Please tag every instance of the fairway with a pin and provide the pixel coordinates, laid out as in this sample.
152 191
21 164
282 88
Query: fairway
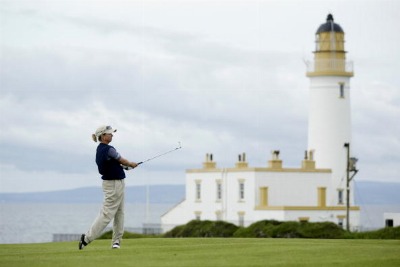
187 252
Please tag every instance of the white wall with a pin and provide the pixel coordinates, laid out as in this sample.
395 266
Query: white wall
293 188
284 189
393 216
329 127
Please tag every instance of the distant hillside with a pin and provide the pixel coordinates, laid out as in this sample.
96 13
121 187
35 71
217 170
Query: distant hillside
135 194
366 193
376 193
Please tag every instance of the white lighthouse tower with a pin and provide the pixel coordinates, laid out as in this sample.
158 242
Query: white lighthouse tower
329 126
315 192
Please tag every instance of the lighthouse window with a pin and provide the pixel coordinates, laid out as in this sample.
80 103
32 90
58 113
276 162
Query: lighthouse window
241 219
219 215
341 90
219 190
241 190
389 223
340 222
317 43
197 215
340 196
198 190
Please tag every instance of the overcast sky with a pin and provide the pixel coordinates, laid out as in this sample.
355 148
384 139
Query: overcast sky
221 77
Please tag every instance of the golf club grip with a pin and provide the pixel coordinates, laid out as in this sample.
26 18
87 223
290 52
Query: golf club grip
140 163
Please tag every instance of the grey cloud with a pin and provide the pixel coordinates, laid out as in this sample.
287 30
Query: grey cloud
163 85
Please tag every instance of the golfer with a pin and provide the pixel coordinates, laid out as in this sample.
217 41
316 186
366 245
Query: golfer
109 164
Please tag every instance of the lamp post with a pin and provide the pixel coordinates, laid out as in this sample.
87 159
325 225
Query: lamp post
351 167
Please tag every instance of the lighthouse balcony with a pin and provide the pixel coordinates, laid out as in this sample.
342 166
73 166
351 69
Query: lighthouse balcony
329 67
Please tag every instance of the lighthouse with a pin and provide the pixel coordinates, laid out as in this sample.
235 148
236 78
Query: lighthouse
317 191
329 126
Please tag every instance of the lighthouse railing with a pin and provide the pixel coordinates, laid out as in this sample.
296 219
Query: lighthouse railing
329 65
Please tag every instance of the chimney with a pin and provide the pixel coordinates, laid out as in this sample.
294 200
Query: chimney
209 163
241 161
275 162
308 163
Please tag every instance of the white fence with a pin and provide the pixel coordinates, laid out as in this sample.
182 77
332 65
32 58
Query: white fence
147 229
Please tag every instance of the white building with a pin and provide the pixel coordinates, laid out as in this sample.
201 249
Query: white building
391 219
314 192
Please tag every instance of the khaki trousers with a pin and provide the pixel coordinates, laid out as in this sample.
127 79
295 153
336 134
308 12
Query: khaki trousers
113 208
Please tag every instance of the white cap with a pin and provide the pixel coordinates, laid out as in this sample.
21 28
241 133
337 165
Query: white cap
103 130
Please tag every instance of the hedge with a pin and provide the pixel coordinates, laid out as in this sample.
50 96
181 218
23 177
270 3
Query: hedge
268 229
277 229
197 228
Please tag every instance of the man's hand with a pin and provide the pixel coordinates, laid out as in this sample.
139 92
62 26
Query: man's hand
126 164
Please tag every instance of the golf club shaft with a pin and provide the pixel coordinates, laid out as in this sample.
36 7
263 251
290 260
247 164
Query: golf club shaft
157 156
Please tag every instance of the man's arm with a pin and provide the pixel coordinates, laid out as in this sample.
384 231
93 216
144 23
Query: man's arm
126 162
112 153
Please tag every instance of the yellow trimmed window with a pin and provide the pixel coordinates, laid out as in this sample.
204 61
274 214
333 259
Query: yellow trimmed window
263 196
321 196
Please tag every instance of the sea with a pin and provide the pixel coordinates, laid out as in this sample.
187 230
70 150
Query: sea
38 223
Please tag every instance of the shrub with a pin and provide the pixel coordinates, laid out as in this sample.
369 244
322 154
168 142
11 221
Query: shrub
291 229
388 233
287 230
224 229
175 232
384 233
242 232
197 228
258 229
321 230
268 229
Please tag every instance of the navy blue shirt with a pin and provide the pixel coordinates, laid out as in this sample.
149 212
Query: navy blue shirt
108 164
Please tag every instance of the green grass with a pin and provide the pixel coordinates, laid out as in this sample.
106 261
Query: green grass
213 252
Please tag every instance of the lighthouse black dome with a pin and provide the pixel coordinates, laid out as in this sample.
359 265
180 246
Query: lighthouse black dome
329 26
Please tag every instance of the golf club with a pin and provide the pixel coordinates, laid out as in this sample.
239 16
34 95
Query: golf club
159 155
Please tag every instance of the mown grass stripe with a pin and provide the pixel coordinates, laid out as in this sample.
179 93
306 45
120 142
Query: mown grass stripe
191 252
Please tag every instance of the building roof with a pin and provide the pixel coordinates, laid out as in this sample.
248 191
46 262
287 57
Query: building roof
329 26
